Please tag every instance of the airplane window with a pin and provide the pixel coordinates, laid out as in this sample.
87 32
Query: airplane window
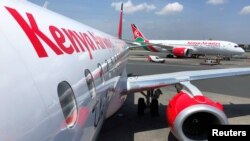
100 72
107 69
68 103
90 83
107 65
112 66
111 62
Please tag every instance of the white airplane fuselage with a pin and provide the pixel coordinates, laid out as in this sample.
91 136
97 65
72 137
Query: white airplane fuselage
186 48
40 50
60 79
205 47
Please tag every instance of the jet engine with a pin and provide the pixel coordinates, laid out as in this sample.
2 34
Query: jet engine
181 52
191 116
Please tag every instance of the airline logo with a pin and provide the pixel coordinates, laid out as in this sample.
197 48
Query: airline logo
79 41
204 43
136 33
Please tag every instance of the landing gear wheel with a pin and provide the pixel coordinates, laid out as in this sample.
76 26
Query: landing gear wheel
154 107
170 56
141 106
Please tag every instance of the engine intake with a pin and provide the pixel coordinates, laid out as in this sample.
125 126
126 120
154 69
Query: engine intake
191 116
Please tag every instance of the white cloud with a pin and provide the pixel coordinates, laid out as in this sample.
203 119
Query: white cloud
130 8
245 10
216 2
171 8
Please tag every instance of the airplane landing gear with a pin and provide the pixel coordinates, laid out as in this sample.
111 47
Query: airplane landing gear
154 107
141 106
169 56
151 102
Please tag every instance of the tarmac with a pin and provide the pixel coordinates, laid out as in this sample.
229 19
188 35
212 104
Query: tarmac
232 92
239 61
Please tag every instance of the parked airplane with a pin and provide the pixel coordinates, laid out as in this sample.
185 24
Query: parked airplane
187 48
61 79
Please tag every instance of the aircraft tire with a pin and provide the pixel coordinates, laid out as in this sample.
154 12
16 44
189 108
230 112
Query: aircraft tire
154 107
141 106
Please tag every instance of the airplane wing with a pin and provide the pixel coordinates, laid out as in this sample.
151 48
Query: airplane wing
140 83
188 104
167 47
134 44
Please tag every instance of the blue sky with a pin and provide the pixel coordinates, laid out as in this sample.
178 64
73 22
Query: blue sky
163 19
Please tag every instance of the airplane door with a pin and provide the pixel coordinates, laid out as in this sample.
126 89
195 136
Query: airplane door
96 104
96 101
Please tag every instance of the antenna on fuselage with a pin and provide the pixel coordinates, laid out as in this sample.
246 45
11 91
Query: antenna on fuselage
45 5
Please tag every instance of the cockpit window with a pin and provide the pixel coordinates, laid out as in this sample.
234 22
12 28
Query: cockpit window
236 46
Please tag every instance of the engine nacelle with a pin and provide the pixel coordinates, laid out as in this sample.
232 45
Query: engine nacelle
191 116
181 52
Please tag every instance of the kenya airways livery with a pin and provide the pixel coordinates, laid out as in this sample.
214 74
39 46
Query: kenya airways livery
61 79
187 48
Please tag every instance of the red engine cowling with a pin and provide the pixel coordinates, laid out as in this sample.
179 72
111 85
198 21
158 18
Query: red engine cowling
180 52
190 117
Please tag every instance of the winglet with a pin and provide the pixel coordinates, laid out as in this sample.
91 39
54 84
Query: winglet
119 33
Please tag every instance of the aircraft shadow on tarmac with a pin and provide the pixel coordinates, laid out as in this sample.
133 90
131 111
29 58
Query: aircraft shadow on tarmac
126 123
236 110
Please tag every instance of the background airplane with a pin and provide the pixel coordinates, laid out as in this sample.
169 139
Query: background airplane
188 48
61 79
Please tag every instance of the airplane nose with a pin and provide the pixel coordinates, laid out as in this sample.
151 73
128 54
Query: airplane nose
241 50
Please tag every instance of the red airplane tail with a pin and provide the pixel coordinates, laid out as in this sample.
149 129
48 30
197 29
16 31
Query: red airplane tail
119 31
136 32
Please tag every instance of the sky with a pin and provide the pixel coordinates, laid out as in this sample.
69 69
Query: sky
163 19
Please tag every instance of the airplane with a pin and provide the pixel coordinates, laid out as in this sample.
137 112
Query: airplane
188 48
60 79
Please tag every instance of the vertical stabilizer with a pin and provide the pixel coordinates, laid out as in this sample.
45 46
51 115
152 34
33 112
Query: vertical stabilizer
138 37
120 23
136 32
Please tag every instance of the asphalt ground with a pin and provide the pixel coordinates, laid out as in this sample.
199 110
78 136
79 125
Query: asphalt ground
232 92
